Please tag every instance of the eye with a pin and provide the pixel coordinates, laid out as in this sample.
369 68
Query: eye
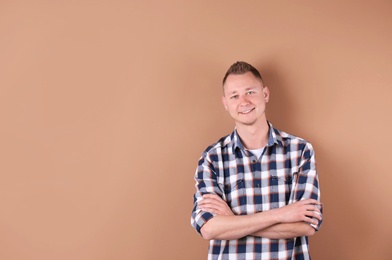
234 97
250 92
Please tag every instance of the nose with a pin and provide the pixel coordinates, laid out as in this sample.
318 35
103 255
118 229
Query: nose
244 100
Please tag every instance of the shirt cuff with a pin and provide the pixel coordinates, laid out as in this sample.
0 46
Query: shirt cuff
202 218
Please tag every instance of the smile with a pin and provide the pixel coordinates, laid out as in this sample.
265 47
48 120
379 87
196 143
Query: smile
247 111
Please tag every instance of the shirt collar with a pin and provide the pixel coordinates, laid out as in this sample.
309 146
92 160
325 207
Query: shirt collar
274 137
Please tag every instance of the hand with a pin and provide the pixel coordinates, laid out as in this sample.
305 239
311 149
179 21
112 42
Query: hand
307 210
214 204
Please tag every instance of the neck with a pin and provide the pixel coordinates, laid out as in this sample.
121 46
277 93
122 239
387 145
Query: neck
254 136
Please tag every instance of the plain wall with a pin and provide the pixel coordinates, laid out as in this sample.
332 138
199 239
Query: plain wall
106 107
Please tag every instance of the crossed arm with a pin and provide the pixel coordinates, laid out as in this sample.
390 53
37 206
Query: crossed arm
282 223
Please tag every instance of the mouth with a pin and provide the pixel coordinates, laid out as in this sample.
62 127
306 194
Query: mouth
246 111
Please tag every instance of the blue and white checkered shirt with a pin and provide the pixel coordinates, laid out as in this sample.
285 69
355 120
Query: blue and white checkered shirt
285 173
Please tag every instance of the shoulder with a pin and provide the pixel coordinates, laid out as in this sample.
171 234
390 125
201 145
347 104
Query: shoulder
286 139
222 143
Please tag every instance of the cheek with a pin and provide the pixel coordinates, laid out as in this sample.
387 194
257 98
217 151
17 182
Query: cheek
260 101
231 108
233 105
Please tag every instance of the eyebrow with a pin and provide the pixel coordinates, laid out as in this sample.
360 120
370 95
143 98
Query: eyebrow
251 88
247 89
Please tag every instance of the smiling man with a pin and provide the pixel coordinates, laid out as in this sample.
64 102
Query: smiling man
257 193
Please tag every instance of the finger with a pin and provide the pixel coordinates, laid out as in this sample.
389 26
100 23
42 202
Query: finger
212 196
213 201
213 209
210 210
216 203
210 205
217 211
312 221
217 208
310 202
314 215
315 221
313 208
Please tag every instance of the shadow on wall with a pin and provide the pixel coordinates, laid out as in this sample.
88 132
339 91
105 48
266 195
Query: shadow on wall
346 232
280 110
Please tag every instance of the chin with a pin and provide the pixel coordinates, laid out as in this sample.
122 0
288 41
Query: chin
247 123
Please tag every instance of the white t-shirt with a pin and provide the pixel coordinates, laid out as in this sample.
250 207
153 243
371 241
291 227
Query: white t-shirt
257 152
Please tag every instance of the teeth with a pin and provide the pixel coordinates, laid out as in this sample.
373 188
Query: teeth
246 111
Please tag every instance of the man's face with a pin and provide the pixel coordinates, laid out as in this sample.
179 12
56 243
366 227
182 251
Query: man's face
245 99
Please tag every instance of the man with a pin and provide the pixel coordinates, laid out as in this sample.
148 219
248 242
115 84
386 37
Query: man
257 194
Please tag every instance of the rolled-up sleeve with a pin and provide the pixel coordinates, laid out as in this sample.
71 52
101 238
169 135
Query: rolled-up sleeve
206 183
307 183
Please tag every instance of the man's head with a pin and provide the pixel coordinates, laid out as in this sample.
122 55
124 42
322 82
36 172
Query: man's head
241 67
244 95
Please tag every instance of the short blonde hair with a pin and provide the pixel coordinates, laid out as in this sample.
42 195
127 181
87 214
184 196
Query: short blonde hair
242 67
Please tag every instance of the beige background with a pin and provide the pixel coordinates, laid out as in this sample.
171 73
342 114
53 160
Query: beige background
106 106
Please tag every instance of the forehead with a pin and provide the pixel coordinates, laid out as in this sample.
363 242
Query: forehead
241 82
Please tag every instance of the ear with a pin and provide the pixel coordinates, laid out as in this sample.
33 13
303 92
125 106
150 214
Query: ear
224 102
266 93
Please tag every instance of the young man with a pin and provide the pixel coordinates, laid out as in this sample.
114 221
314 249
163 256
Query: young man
257 193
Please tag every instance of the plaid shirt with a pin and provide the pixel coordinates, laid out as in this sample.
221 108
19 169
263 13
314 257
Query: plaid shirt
285 173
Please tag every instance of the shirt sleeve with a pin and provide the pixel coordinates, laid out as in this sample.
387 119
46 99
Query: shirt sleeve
306 184
206 183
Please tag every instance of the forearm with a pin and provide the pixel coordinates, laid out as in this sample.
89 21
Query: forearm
286 231
235 227
227 226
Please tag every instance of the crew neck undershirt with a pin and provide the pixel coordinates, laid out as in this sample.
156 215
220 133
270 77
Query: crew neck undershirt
257 152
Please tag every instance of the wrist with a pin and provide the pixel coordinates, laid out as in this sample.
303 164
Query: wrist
273 216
